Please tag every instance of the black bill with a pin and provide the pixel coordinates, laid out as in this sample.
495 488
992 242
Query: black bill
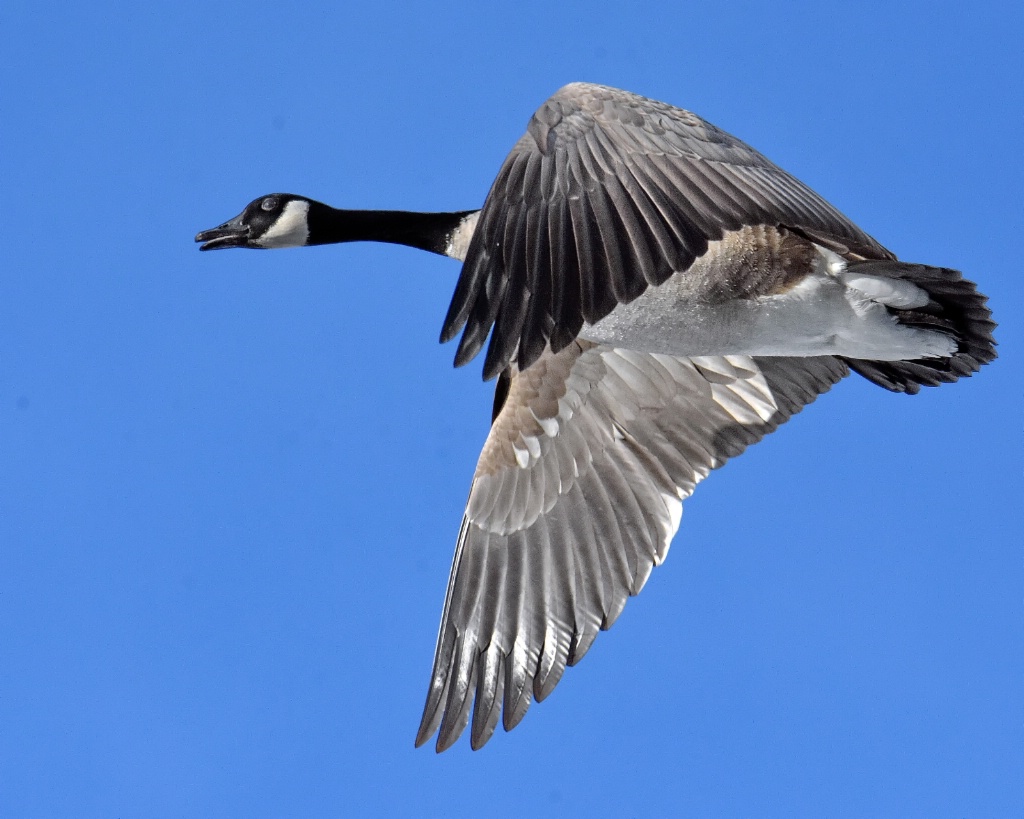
231 234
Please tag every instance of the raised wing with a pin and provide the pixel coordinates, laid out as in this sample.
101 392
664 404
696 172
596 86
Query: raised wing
606 194
577 495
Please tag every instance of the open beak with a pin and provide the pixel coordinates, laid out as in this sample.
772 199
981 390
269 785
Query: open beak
231 234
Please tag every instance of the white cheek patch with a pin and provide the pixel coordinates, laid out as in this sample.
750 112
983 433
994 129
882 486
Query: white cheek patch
291 228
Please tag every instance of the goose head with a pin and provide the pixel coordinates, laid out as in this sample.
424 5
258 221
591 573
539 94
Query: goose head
271 221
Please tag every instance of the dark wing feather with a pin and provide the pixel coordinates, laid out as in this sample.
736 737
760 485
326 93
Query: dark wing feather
632 191
576 497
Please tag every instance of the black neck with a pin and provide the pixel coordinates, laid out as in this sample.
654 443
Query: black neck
426 231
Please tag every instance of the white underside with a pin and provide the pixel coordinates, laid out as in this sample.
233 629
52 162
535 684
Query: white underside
830 312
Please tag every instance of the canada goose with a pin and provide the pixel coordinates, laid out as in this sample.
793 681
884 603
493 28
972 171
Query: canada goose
658 296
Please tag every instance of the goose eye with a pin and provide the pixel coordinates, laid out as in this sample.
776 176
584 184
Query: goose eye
270 203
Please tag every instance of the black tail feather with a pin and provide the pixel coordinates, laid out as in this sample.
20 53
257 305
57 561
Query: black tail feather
956 308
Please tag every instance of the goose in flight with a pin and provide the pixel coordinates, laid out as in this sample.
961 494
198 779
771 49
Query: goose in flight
658 296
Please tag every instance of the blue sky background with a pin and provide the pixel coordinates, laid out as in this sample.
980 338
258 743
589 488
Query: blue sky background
230 483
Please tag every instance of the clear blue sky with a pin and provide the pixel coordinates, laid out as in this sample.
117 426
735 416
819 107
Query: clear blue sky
230 483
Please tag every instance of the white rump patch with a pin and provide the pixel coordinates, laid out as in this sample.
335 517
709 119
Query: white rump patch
890 292
290 229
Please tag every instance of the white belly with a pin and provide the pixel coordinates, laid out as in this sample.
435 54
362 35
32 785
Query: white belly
830 312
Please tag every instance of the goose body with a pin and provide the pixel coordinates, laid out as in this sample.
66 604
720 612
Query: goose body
823 308
657 296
